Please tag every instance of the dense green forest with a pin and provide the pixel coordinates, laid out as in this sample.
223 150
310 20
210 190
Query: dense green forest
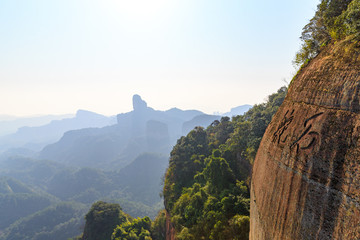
206 188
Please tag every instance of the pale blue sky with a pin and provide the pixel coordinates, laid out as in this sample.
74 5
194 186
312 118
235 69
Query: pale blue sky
62 55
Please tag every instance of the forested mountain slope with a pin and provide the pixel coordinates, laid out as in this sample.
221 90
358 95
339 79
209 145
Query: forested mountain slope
49 184
206 189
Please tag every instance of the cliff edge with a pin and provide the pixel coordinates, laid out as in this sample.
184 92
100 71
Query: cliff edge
306 175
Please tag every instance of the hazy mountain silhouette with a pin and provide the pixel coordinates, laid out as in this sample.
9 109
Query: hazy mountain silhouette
240 110
141 130
10 124
202 120
35 138
205 120
142 178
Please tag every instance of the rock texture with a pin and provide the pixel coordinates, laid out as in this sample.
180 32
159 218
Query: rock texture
170 231
306 176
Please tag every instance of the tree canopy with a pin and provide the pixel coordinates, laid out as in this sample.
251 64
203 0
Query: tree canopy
102 219
334 20
206 187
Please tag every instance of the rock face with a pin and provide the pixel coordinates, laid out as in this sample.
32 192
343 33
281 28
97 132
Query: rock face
306 176
170 231
138 103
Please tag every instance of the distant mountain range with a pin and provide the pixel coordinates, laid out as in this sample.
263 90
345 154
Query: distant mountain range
141 130
10 124
240 110
92 140
36 137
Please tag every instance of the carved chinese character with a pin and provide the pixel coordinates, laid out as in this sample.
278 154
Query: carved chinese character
278 135
307 133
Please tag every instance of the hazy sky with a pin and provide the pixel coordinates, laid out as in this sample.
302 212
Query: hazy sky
57 56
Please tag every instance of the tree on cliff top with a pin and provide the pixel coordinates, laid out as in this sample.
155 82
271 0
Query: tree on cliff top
333 20
102 219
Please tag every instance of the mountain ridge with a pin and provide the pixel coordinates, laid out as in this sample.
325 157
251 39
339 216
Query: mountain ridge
141 130
35 138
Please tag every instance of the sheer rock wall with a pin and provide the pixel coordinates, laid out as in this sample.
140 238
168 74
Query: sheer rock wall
306 176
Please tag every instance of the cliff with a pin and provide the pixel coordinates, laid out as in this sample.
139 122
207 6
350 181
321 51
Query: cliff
306 175
170 230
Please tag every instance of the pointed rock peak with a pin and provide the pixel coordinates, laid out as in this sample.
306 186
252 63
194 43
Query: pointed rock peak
138 103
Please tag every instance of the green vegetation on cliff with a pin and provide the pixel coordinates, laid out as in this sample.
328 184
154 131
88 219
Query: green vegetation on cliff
205 189
137 229
334 20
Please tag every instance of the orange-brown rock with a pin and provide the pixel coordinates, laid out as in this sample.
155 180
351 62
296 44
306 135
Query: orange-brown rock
170 231
306 176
